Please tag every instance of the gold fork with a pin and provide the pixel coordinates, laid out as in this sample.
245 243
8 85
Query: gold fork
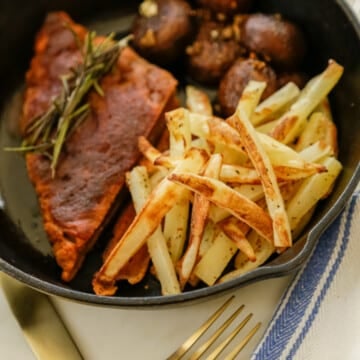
188 344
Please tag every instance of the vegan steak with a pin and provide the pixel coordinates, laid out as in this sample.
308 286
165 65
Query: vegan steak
90 176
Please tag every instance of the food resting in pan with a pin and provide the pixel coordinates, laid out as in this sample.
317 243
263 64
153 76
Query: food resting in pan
217 186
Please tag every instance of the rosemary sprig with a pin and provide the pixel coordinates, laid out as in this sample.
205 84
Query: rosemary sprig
48 132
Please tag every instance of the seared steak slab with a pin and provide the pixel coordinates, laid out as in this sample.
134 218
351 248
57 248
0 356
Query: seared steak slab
91 171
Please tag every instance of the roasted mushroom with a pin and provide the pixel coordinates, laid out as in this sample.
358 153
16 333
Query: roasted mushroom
162 29
235 80
275 39
214 50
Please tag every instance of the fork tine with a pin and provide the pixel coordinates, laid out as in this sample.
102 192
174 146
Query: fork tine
178 354
242 343
223 345
216 334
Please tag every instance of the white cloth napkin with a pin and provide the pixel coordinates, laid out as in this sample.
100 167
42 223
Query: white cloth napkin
319 314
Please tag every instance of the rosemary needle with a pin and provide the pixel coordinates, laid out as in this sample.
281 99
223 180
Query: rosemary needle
48 132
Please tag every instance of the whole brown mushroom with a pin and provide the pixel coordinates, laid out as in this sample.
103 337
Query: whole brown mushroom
212 53
277 40
234 82
162 29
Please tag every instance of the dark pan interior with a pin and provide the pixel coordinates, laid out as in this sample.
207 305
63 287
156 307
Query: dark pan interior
332 32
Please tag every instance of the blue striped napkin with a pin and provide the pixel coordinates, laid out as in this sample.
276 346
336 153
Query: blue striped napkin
319 314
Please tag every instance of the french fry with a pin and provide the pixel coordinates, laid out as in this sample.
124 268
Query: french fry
125 219
236 231
140 189
215 260
176 220
285 173
300 226
160 201
312 190
198 221
239 175
263 250
175 226
293 122
197 101
201 143
274 103
207 240
225 197
318 128
153 155
148 151
158 176
261 162
268 127
136 268
235 174
229 155
217 214
252 192
281 154
316 152
178 124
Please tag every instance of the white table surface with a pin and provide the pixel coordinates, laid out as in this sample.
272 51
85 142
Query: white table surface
103 333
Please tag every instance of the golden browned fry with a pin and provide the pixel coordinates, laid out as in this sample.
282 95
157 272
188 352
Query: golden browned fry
199 215
319 128
293 122
176 220
153 155
263 250
236 231
236 174
123 222
210 233
316 152
149 151
261 162
312 190
225 197
198 101
136 267
266 110
139 185
178 124
215 260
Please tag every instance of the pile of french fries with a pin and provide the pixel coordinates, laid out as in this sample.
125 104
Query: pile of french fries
228 194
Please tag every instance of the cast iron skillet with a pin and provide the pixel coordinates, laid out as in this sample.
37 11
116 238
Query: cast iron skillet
332 31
